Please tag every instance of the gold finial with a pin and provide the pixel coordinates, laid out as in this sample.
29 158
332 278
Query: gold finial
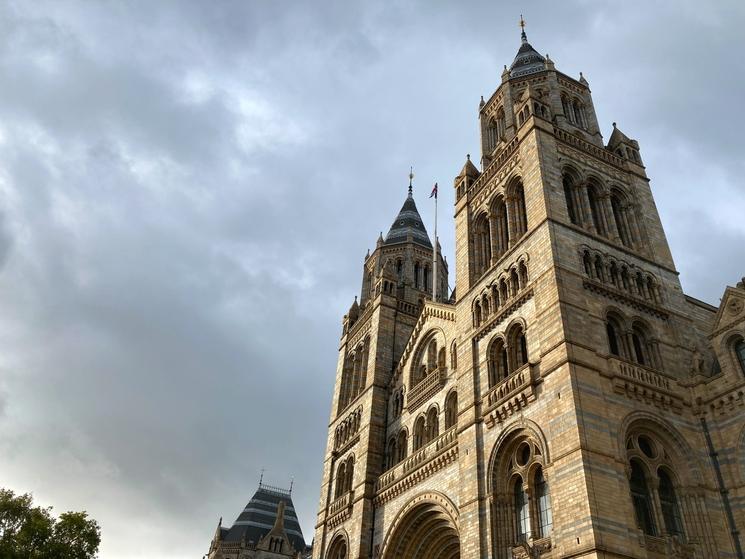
411 178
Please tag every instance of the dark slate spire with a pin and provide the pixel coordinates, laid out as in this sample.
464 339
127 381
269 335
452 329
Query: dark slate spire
408 222
528 60
260 516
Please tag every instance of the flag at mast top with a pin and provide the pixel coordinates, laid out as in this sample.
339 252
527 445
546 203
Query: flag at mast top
434 192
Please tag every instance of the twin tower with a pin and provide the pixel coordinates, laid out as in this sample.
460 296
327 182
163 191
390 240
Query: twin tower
568 399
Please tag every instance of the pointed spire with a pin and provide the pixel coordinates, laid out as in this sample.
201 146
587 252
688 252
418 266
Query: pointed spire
523 36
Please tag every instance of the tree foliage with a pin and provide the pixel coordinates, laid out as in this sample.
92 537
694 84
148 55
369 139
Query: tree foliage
31 532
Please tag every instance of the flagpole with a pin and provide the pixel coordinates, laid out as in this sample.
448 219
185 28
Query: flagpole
434 264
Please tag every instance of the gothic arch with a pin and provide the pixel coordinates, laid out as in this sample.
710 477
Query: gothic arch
689 471
521 427
426 527
339 547
436 334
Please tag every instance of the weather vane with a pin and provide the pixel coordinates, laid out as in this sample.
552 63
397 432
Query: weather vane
522 26
411 178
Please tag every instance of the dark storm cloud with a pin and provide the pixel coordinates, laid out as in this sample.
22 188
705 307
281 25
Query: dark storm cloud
188 189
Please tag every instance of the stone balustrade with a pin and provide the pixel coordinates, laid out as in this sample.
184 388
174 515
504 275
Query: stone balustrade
426 388
341 503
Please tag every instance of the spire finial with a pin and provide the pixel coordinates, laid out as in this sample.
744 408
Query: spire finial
261 478
292 479
411 178
523 36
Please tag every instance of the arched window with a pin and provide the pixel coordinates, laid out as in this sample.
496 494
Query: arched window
392 452
441 358
504 293
543 500
587 263
502 233
433 424
613 330
501 124
642 350
401 445
419 433
570 202
338 549
642 499
417 275
614 277
522 511
482 244
521 218
523 275
497 362
669 504
341 479
740 353
400 269
619 215
599 268
425 279
514 282
566 108
477 314
518 348
454 356
596 209
451 410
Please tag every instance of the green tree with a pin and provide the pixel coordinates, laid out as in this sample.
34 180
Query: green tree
29 532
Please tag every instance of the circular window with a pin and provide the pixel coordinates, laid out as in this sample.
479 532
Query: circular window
522 455
646 446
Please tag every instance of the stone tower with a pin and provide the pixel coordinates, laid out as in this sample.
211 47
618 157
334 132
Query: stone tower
569 400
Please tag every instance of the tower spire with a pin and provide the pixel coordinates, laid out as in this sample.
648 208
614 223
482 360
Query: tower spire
411 178
523 36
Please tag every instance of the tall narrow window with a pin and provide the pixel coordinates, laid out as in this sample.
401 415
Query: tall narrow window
543 498
669 504
522 511
618 215
417 275
642 499
497 362
521 217
613 339
740 351
401 445
595 210
569 197
451 410
419 435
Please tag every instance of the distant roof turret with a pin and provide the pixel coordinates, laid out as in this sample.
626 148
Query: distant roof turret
260 516
408 224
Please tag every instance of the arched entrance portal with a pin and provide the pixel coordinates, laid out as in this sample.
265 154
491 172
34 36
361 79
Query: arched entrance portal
427 530
338 548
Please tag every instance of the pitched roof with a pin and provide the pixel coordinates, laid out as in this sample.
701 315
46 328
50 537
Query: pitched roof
408 222
260 514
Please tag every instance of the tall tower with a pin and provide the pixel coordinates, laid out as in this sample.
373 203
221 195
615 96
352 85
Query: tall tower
570 400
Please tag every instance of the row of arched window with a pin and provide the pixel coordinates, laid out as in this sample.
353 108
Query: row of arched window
574 111
632 341
536 108
621 276
607 213
344 477
628 153
347 428
498 294
426 429
499 228
354 374
506 354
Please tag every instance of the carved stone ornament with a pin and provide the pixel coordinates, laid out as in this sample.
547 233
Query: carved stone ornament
735 306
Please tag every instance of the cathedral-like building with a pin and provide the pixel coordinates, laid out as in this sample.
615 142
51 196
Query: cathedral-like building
568 399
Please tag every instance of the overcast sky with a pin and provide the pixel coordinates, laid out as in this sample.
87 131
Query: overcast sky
188 189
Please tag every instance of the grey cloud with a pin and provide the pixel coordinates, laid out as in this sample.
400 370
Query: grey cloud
188 189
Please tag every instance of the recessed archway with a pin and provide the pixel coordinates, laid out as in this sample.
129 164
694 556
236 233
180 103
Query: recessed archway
425 529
